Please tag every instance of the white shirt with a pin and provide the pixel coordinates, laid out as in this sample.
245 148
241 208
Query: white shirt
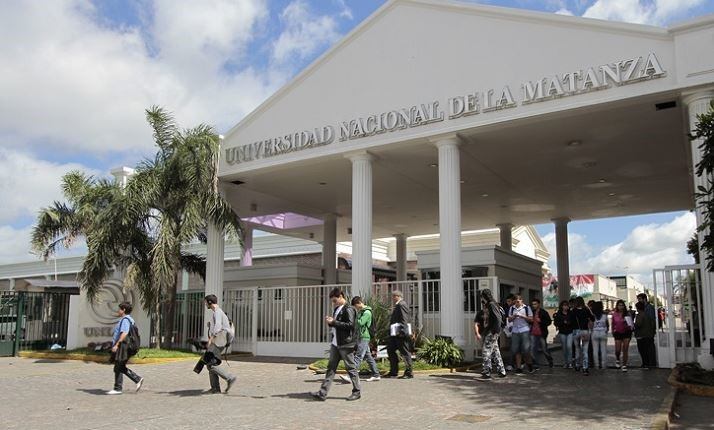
334 330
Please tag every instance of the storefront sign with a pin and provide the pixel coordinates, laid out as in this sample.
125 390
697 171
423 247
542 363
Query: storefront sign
570 83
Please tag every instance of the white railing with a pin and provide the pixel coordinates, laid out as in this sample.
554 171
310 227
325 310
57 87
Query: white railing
295 314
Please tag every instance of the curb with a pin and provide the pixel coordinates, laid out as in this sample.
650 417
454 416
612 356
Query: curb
695 389
663 417
443 370
100 358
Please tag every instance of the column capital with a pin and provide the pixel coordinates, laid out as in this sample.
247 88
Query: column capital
504 225
360 156
561 220
450 139
693 97
400 235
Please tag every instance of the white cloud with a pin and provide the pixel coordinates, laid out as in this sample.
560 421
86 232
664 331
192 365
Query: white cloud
647 247
27 184
657 12
304 32
564 11
20 240
74 83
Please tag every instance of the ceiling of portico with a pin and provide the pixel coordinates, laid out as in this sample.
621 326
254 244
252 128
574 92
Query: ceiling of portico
632 159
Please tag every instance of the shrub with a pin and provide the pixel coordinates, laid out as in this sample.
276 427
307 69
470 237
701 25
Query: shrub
440 352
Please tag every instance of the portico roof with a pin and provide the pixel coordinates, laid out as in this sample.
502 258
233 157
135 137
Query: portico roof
557 116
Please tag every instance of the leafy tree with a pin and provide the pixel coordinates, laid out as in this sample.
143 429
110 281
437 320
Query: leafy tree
705 193
140 229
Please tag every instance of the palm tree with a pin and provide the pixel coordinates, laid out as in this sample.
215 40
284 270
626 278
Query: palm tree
141 228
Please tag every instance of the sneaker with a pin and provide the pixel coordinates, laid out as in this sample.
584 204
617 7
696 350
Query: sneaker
354 396
139 384
533 369
113 392
624 368
519 371
406 376
485 376
345 379
586 372
617 363
509 368
550 363
373 379
212 391
230 384
502 375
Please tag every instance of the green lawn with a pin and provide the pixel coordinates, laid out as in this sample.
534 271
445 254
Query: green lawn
383 366
143 353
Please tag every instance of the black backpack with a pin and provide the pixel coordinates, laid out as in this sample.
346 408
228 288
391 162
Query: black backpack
372 326
132 340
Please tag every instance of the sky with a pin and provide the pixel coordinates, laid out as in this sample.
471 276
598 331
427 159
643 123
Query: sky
76 76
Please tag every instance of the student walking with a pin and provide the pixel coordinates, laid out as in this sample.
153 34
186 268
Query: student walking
644 333
120 353
364 320
522 317
562 322
622 332
539 333
599 335
217 340
345 335
488 328
582 320
401 340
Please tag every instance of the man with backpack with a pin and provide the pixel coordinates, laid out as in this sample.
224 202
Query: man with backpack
367 331
490 329
522 317
125 343
219 334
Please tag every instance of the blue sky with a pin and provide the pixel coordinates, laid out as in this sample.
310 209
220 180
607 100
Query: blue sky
78 74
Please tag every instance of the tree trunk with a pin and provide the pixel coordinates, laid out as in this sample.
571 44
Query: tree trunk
157 323
170 314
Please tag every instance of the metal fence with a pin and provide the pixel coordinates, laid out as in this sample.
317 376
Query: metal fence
32 320
295 313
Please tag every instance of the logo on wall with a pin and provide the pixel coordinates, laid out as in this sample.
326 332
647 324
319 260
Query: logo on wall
105 307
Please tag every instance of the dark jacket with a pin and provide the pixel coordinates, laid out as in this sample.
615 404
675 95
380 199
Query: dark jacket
644 326
493 324
400 314
545 322
563 322
346 326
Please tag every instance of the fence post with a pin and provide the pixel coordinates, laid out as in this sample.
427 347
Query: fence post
18 322
420 301
254 322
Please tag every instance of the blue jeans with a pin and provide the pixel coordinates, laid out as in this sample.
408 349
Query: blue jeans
582 338
540 345
567 341
364 352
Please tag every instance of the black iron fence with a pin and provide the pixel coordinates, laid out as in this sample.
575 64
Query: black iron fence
32 320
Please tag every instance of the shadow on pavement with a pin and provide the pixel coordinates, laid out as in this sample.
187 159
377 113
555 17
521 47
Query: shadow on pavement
94 391
299 396
188 393
48 360
566 395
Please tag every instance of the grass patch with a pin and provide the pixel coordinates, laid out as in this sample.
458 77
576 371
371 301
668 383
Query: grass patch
143 353
382 366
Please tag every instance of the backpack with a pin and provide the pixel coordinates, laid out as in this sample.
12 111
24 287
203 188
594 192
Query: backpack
230 333
502 316
132 340
372 327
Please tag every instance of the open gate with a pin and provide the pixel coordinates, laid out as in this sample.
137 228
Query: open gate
32 320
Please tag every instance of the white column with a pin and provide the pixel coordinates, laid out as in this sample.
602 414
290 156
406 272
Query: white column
214 267
361 223
401 256
329 248
506 235
452 294
562 258
698 104
246 251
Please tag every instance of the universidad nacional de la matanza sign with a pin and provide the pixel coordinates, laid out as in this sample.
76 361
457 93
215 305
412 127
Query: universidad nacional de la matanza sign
623 72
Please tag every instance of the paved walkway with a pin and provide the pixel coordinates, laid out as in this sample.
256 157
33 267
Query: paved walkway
42 394
693 413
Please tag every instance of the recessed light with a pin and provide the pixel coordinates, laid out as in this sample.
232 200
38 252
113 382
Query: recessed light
433 165
484 195
323 183
573 143
612 194
602 180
